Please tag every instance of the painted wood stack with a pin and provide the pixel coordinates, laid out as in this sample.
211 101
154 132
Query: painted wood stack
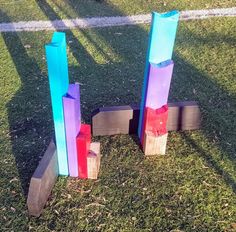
73 154
73 139
152 128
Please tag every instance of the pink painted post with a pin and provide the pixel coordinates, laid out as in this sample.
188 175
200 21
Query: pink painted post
72 117
159 84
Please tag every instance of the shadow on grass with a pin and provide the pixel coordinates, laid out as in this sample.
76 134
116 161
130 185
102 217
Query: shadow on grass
211 162
27 126
115 83
92 74
218 111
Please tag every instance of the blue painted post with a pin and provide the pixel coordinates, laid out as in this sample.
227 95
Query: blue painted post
160 48
59 82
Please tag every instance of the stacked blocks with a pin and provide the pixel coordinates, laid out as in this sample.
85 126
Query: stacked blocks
159 84
152 129
73 139
72 153
154 143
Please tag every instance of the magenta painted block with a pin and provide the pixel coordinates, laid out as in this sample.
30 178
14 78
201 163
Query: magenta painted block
72 118
159 84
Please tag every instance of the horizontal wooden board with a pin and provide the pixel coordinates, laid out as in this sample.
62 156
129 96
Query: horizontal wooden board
124 119
43 181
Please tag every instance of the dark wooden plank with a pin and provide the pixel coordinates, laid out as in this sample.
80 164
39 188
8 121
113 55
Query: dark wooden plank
43 181
93 160
124 119
184 116
115 120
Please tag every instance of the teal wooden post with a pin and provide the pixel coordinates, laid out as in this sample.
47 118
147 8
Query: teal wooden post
59 82
160 48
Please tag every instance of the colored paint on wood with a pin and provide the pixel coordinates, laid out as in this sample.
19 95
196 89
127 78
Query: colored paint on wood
58 80
72 116
124 119
159 84
160 48
83 141
43 181
155 121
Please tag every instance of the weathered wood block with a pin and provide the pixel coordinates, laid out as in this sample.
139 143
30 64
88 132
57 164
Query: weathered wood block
115 120
43 181
158 85
124 119
154 144
183 116
93 160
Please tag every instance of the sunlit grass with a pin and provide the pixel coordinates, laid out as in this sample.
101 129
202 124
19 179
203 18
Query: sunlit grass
192 188
34 9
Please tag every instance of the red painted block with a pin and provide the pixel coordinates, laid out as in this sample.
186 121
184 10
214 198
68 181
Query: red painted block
83 141
155 121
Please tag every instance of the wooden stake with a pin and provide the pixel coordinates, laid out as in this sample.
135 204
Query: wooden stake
93 160
154 145
43 181
124 119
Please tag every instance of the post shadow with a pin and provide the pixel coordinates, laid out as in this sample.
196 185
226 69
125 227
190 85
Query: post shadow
211 162
85 72
217 106
28 127
217 118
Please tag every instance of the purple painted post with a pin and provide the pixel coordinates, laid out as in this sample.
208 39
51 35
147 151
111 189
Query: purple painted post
159 84
72 118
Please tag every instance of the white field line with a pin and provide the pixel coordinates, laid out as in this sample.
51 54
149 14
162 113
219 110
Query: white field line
109 21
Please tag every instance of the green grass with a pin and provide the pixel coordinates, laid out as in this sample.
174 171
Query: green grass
192 188
34 9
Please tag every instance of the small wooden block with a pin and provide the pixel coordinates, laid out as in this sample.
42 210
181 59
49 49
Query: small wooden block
93 160
115 120
153 144
83 141
124 119
43 181
183 116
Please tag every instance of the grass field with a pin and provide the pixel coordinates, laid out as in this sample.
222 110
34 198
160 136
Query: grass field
191 189
19 10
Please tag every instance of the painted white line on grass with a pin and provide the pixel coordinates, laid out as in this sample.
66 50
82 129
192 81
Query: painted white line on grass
109 21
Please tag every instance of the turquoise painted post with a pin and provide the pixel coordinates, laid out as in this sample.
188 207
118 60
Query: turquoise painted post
160 48
59 82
